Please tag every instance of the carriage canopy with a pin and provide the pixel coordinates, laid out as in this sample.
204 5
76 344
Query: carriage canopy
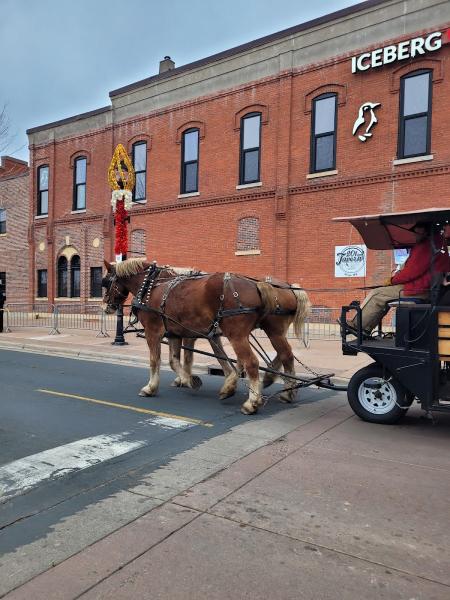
394 230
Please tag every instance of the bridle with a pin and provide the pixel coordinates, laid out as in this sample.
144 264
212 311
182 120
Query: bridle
112 290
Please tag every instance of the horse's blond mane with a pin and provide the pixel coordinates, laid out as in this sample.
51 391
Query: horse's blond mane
184 270
130 267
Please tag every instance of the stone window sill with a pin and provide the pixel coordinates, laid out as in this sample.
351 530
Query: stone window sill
413 159
3 234
137 202
77 212
41 299
63 299
41 216
321 174
247 252
244 186
190 195
95 299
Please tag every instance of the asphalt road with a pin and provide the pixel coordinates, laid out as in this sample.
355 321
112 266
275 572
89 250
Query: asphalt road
73 433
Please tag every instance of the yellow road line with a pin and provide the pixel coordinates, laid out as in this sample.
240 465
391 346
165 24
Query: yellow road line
126 407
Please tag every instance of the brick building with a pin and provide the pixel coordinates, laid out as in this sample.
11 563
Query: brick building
15 217
243 158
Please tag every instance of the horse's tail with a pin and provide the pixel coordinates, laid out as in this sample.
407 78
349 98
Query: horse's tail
303 309
268 297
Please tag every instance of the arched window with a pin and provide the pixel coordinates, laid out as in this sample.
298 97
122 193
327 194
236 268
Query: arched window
140 169
75 277
247 234
189 161
250 149
62 277
79 183
414 137
323 133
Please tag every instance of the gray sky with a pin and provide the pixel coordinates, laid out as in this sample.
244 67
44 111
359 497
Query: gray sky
63 57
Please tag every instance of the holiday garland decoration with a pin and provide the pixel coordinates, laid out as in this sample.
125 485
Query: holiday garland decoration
121 179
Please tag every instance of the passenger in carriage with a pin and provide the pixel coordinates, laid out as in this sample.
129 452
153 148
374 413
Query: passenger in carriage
414 280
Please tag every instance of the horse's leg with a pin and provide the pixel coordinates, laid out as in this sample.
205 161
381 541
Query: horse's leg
269 378
184 377
194 380
154 346
248 359
286 358
231 375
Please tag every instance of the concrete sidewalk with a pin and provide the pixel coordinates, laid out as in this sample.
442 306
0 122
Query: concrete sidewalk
321 356
337 509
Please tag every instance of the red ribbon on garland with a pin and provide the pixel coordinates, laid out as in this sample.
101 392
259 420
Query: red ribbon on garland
121 217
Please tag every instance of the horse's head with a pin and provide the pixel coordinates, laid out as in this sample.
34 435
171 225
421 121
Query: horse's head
116 293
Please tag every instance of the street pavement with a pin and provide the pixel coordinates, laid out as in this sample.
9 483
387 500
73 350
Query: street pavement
301 502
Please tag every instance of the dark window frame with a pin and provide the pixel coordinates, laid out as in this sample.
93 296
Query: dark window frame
140 143
40 284
2 221
185 163
61 292
315 137
41 191
93 293
73 269
77 185
402 118
243 152
3 282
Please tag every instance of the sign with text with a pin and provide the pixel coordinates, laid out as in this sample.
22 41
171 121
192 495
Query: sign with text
407 49
350 261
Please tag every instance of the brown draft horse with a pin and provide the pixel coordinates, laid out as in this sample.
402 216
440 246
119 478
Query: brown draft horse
292 308
184 306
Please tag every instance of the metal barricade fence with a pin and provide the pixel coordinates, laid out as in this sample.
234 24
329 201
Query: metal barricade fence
321 323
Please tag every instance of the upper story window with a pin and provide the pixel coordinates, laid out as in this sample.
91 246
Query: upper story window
140 169
323 133
79 183
42 187
189 161
415 114
2 220
249 163
62 277
75 277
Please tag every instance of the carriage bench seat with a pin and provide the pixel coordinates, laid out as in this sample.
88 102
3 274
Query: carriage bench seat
405 301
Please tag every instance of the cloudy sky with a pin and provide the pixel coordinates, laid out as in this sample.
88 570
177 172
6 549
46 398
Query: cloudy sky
63 57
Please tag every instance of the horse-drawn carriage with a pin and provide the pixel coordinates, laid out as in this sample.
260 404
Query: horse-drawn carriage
413 361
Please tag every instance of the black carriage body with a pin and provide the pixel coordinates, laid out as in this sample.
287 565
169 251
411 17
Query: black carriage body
417 356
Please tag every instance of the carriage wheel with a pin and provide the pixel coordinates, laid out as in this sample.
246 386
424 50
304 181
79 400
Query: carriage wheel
376 397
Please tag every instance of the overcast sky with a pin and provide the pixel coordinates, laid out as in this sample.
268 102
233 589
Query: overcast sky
63 57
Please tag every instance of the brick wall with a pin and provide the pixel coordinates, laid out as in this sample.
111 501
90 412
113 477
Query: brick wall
14 193
295 235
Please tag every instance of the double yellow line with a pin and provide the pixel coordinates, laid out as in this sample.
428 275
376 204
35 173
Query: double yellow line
145 411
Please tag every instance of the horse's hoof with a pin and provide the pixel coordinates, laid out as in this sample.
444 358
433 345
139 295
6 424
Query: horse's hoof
196 382
177 383
225 395
286 399
145 394
248 409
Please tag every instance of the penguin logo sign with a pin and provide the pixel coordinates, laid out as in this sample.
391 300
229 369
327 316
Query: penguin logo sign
366 120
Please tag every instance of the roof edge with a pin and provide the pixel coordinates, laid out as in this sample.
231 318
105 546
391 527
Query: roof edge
343 12
91 113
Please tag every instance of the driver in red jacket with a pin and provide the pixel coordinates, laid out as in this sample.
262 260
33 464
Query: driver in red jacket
414 280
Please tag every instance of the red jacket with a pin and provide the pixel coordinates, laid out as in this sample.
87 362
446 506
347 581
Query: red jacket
416 274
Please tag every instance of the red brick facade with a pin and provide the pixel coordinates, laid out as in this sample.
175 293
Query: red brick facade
15 208
280 227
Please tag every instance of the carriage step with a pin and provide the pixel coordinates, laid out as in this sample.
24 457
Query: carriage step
213 370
